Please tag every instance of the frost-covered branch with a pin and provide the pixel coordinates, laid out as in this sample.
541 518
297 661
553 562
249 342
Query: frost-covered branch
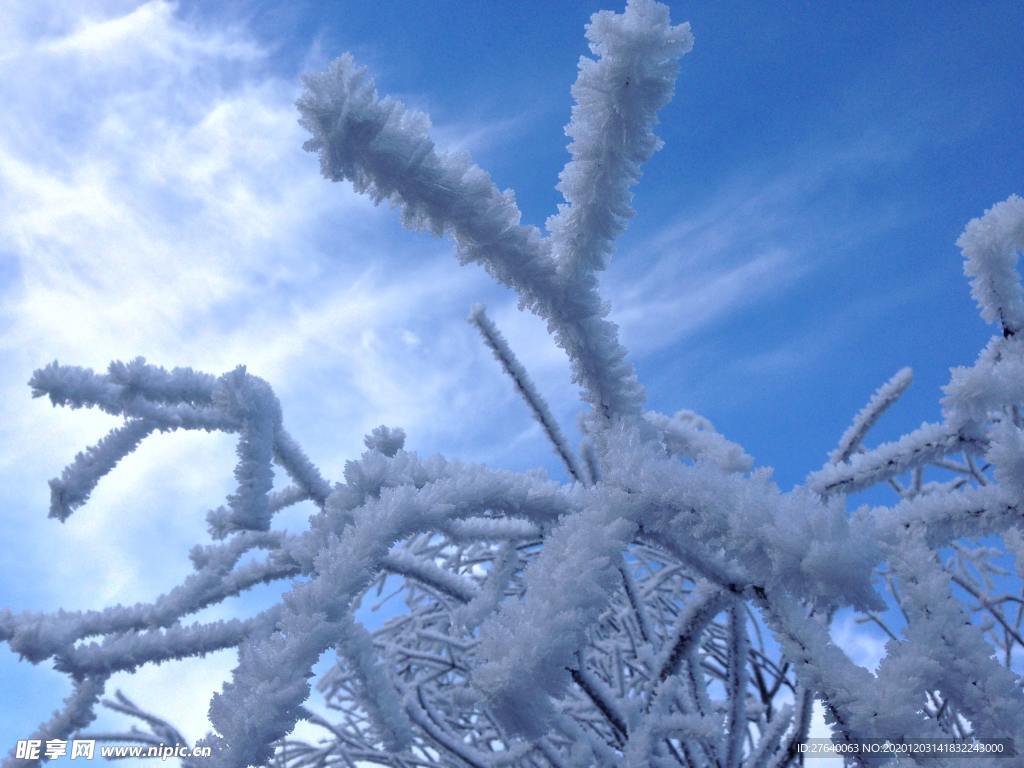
672 608
617 99
504 355
991 246
882 399
385 150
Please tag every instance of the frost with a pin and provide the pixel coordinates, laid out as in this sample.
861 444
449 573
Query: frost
883 398
991 245
670 605
386 440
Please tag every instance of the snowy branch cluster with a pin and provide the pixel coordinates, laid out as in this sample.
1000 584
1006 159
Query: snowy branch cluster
669 606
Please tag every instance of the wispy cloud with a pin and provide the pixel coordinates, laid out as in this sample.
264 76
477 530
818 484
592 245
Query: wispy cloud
157 202
754 243
149 33
685 302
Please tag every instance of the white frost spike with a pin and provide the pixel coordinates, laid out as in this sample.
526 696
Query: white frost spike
76 714
991 246
386 152
179 385
1006 453
868 416
704 604
618 96
973 512
80 477
486 601
527 647
152 398
290 455
251 401
995 380
387 440
525 386
926 443
943 649
736 722
378 692
691 436
169 399
429 574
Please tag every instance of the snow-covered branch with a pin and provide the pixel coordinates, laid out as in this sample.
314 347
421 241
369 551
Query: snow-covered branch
670 606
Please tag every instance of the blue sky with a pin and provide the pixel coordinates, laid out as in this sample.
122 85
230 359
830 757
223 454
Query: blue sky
793 247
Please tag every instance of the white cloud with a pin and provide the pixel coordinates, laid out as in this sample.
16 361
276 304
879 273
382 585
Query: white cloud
863 643
749 242
157 202
149 32
684 303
